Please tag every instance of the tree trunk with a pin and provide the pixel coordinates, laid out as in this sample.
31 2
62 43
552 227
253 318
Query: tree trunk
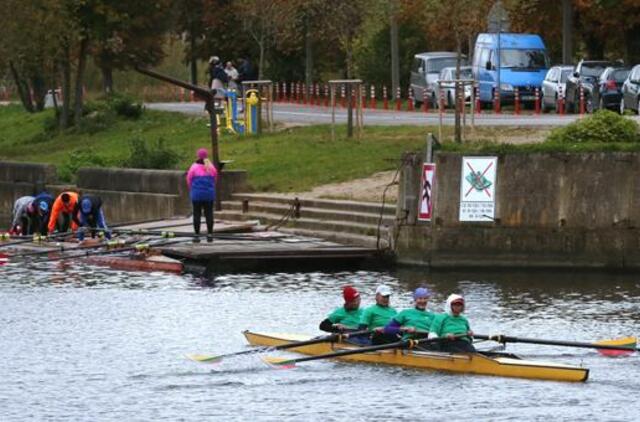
349 58
107 79
66 89
261 60
23 89
193 60
39 92
567 32
308 60
82 64
395 54
458 128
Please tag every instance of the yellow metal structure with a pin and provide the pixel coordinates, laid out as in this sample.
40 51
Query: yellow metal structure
476 363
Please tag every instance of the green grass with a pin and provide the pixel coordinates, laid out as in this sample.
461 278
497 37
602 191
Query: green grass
294 159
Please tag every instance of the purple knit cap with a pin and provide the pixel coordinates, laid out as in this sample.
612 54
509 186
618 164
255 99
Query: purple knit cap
202 153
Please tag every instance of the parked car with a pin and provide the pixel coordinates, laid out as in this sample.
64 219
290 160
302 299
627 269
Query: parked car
425 71
449 88
522 63
631 91
609 90
553 83
585 74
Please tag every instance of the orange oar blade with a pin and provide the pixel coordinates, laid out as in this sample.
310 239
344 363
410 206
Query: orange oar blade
629 342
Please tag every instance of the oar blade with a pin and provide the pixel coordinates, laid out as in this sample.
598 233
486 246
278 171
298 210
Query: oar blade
203 358
626 342
279 363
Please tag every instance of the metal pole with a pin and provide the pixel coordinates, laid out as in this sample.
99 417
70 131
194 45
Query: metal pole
349 111
498 58
332 90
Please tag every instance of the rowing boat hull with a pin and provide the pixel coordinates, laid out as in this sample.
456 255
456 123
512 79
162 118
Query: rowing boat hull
464 363
151 263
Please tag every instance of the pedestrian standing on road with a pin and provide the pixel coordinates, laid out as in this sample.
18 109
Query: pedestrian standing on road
201 180
217 76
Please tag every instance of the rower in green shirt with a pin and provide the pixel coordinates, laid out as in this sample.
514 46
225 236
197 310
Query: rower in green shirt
452 323
415 322
347 317
375 317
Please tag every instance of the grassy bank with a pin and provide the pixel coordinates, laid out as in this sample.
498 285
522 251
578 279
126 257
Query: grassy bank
294 159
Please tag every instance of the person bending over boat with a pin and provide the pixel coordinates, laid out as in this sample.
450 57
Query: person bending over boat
347 317
201 179
452 323
62 217
376 317
42 204
89 214
21 222
412 323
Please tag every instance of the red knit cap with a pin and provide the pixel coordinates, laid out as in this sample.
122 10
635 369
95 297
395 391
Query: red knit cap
349 293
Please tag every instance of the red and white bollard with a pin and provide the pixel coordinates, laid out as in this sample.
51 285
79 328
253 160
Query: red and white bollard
385 98
425 101
278 94
478 105
496 101
398 99
363 96
516 100
560 105
318 95
326 95
581 100
305 94
441 102
410 99
373 104
537 101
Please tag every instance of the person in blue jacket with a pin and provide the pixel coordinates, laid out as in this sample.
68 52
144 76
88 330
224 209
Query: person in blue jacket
89 214
42 204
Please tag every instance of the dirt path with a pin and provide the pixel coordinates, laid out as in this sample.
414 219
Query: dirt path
369 189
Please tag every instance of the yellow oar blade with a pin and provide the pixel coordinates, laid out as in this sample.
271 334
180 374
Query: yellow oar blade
203 358
278 362
629 342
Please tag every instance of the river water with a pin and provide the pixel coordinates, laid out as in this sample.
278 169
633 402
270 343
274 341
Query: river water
89 344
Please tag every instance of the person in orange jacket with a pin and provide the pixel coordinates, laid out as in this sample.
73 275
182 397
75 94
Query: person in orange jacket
63 208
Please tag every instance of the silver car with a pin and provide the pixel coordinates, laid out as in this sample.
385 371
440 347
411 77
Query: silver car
445 83
425 70
552 84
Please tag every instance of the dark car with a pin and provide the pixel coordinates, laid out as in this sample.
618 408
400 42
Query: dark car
585 74
631 91
608 93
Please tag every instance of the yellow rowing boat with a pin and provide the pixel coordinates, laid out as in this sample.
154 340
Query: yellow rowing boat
505 365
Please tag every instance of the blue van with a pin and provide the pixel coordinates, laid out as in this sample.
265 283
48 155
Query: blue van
523 63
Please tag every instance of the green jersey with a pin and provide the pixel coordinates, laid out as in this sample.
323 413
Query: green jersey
444 324
349 318
377 316
419 319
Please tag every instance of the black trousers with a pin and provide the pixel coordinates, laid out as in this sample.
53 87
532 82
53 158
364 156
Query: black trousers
457 346
198 208
64 222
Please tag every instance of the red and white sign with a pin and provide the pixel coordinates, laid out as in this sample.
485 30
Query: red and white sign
427 187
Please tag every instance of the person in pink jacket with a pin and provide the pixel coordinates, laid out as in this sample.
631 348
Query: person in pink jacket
201 180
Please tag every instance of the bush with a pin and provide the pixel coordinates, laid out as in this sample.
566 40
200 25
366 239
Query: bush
603 126
158 156
95 122
81 157
124 106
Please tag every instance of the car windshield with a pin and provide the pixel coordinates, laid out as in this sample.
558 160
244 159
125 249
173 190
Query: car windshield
593 70
620 75
465 74
565 74
436 65
526 59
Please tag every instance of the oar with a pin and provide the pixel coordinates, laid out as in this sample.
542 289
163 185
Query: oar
403 344
630 348
34 238
112 244
323 339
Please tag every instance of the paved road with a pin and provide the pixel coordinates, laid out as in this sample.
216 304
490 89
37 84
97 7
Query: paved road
294 113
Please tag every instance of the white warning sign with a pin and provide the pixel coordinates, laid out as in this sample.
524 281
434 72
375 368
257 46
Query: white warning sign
477 188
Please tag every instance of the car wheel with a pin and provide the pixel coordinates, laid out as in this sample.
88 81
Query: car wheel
449 102
417 104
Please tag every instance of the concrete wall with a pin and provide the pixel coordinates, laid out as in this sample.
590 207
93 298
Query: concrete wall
127 194
552 210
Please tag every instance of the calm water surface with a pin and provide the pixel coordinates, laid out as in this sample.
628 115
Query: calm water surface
89 344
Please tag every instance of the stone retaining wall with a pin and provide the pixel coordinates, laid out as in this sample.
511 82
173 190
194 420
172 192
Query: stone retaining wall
128 194
551 210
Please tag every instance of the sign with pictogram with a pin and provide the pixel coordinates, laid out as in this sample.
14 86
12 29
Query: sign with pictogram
427 183
477 188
